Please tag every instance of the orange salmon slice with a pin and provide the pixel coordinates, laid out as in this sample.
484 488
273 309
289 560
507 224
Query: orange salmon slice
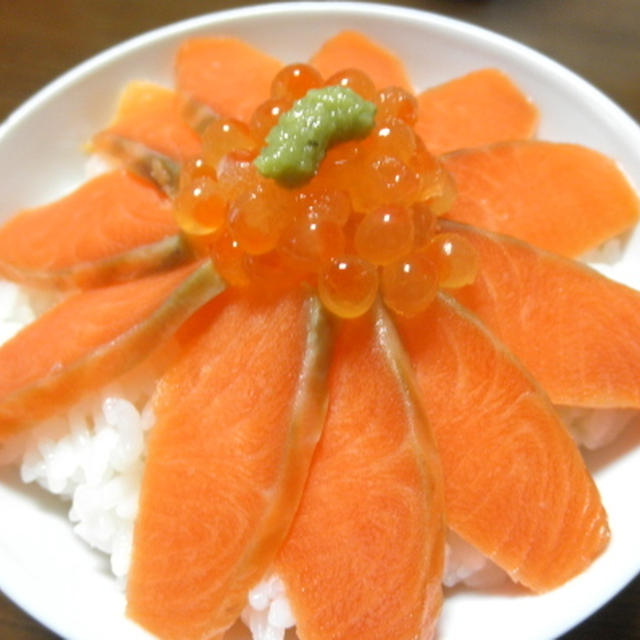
59 243
151 115
363 560
226 73
238 418
561 197
354 50
516 486
574 329
474 110
92 336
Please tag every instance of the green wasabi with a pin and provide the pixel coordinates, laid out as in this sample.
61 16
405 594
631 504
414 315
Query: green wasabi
297 144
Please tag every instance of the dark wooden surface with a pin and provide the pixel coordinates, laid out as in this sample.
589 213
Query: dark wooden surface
600 40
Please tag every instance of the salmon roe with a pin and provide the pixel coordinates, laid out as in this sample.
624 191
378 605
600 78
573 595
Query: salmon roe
365 225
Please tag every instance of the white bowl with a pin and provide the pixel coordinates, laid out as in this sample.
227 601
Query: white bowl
45 568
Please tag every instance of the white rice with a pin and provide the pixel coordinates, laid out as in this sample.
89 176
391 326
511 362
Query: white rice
596 428
268 614
92 456
608 253
19 306
465 565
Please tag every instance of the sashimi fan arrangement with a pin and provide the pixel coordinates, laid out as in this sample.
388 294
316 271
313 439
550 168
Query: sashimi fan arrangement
304 394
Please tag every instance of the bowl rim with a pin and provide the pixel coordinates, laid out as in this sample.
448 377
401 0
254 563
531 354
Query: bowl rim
309 7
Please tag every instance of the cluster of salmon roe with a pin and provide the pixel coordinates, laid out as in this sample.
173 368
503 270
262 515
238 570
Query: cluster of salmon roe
365 224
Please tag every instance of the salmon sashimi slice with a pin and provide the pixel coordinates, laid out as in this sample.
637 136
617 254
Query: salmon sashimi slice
577 331
106 229
92 336
354 50
561 197
238 419
161 170
152 116
363 560
516 486
226 73
477 109
196 114
145 260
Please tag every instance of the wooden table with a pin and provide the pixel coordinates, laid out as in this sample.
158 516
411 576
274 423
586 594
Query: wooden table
599 40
